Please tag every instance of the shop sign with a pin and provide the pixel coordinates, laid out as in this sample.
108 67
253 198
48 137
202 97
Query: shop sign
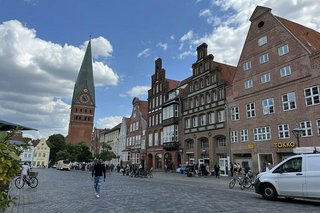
250 146
285 145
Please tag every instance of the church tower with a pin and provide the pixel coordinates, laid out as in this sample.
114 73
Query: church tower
83 103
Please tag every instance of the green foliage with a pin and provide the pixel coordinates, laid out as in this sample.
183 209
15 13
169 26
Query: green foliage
9 167
107 155
57 144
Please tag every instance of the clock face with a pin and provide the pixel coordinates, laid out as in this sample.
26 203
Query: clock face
84 98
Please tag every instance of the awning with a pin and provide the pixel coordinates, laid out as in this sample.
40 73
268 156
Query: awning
6 126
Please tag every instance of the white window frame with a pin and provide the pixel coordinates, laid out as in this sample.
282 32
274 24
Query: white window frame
262 133
244 135
283 131
268 106
264 58
283 50
195 121
265 78
246 65
221 116
251 110
318 126
285 71
222 142
212 117
306 127
248 84
235 113
234 136
289 101
203 120
262 40
312 96
187 123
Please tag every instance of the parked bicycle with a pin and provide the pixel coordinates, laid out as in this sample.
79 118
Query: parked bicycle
142 173
236 179
31 180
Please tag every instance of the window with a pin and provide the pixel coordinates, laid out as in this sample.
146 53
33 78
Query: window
196 101
156 139
222 142
263 40
293 165
307 128
191 103
203 120
195 121
170 111
265 78
212 117
246 66
268 106
215 95
262 133
235 113
283 50
221 117
244 135
202 100
289 101
318 126
187 121
170 133
234 136
201 83
207 81
248 84
285 71
312 96
264 58
283 130
251 110
208 98
150 139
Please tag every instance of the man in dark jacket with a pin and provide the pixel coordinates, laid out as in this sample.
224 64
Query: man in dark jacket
97 171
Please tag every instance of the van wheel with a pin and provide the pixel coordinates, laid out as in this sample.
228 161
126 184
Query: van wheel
269 192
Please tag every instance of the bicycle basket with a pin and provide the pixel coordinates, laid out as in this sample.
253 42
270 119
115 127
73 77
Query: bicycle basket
33 174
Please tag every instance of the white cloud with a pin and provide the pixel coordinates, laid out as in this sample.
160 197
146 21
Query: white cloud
187 36
38 76
145 53
184 54
108 122
163 46
226 40
138 91
172 37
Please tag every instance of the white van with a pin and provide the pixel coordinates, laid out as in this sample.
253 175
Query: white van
297 176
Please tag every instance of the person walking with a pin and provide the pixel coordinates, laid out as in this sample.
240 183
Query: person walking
216 170
98 170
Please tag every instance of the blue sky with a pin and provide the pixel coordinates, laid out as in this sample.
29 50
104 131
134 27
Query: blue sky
42 44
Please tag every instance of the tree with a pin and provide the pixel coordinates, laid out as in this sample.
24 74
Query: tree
56 143
9 166
106 153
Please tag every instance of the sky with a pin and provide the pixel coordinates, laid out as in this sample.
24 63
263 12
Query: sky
42 44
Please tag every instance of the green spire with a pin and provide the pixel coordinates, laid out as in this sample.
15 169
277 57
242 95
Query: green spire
85 77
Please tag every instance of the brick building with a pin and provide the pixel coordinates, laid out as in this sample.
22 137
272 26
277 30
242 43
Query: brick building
83 103
275 89
204 128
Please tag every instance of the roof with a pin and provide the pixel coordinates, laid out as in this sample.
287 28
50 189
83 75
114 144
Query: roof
227 71
6 126
85 77
308 37
117 127
172 84
143 107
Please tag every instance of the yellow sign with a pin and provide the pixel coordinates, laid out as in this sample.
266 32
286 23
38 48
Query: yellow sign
285 145
250 146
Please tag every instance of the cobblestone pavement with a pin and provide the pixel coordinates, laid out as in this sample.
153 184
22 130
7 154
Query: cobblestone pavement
72 192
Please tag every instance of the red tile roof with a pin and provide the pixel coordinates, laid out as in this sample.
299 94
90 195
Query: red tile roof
172 84
308 37
227 71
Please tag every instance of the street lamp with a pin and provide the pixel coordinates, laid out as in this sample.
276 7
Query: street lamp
297 132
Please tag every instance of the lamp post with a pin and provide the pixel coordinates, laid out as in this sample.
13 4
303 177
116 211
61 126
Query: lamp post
297 132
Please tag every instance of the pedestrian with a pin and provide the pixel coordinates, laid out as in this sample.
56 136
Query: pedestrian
25 169
216 170
98 170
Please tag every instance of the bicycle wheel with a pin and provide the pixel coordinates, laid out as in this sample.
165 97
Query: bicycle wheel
33 182
18 184
246 182
232 183
150 175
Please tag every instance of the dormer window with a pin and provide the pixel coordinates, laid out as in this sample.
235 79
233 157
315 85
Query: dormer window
263 40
